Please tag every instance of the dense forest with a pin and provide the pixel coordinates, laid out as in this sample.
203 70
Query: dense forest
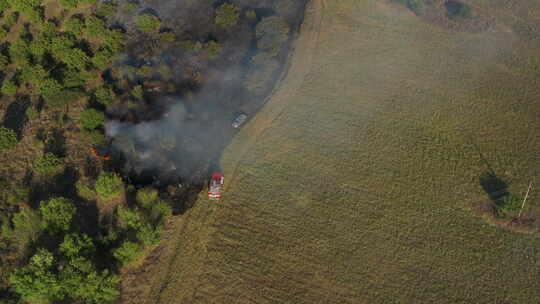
72 212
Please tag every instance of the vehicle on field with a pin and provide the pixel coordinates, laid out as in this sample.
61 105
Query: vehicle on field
215 186
239 120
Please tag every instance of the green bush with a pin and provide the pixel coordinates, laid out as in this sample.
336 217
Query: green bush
9 88
251 14
38 48
213 49
165 72
95 27
92 119
509 205
166 38
50 88
148 23
114 41
96 137
47 279
4 61
33 74
36 17
129 218
106 10
8 139
137 92
57 213
11 19
94 288
69 3
85 191
109 186
74 78
159 211
19 52
227 16
31 114
101 61
129 8
146 197
75 58
104 95
148 235
4 4
27 225
77 244
3 33
188 46
144 71
36 283
128 252
74 26
63 97
48 164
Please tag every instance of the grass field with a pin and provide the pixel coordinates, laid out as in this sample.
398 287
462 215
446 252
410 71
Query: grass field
354 184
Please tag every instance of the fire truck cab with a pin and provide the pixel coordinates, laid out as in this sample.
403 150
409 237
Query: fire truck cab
215 186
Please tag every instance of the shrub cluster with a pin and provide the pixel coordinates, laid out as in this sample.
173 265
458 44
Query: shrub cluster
67 274
48 164
92 119
227 16
148 23
141 224
8 139
109 186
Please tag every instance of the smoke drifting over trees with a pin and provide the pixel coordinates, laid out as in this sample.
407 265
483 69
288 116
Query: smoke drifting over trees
185 82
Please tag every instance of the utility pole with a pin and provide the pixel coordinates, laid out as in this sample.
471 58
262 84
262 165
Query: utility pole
525 199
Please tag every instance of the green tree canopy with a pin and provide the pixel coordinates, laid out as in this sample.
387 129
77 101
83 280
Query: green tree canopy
36 282
148 23
8 139
128 252
227 16
77 244
104 95
48 163
75 58
109 186
69 3
57 213
95 27
92 119
9 88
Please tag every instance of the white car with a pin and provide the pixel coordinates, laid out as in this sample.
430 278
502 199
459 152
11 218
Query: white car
239 120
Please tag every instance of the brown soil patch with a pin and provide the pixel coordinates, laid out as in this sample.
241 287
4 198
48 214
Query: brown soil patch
524 224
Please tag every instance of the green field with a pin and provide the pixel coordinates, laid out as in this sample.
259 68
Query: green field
355 183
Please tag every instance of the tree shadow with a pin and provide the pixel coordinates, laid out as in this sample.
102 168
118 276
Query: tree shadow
15 116
494 186
56 143
64 185
91 169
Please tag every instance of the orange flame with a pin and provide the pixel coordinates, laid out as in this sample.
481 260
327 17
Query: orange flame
96 154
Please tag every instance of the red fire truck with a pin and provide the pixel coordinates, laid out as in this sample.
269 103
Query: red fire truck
215 185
